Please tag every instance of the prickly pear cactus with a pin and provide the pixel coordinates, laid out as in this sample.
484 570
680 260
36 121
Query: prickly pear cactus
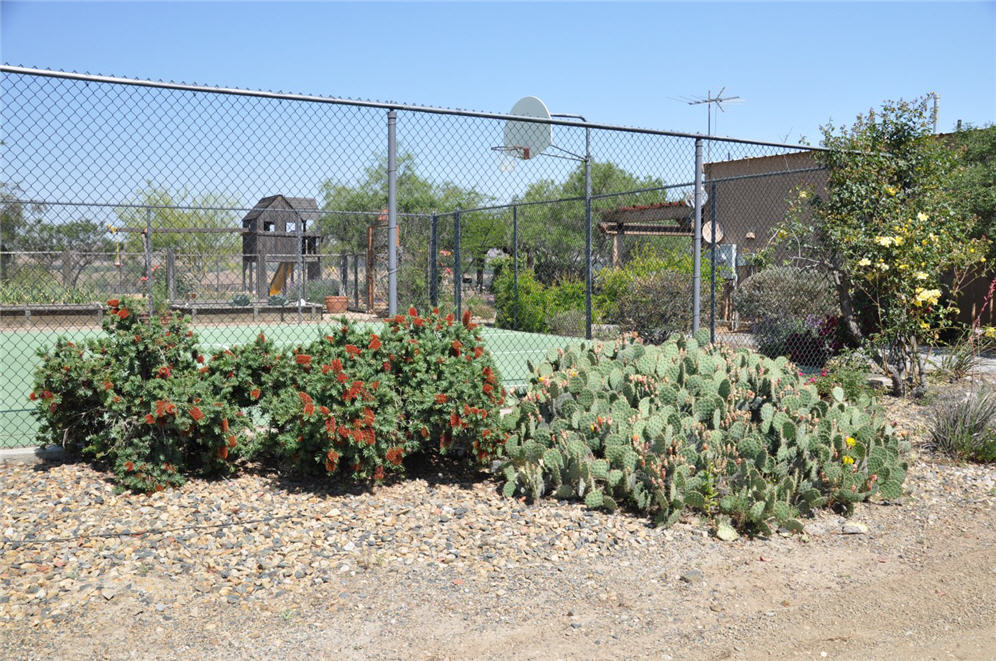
689 425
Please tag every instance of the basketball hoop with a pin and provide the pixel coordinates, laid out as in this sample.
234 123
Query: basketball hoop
508 155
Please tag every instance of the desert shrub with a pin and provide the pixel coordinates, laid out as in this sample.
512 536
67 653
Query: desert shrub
656 305
965 429
569 323
536 302
358 402
732 434
316 290
790 312
848 371
136 399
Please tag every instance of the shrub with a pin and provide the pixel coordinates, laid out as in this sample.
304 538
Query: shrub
791 312
569 323
734 435
360 402
656 305
847 371
965 429
136 399
536 302
316 290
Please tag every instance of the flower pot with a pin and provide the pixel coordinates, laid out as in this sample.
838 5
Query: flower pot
335 304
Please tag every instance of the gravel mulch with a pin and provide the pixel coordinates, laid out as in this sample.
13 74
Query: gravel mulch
87 572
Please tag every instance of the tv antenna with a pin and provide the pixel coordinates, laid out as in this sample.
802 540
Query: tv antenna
711 100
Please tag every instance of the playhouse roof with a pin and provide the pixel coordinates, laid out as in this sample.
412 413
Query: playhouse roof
306 206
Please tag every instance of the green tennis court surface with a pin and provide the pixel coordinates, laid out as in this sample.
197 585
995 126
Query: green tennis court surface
18 359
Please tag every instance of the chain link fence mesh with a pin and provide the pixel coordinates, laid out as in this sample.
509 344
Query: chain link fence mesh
252 211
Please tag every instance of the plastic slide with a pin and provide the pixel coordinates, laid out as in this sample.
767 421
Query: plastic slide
279 281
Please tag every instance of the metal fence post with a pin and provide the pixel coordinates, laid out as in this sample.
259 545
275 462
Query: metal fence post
148 258
434 261
587 232
712 237
392 213
515 267
299 231
457 265
171 274
697 246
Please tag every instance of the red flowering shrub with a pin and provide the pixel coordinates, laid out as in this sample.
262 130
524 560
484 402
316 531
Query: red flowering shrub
134 398
363 401
450 390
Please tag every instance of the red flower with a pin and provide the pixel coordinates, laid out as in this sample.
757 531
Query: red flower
412 312
488 388
336 364
129 466
231 441
379 473
353 350
223 452
224 425
47 394
449 319
254 393
123 313
309 404
200 359
394 455
478 352
454 420
341 376
324 410
149 419
387 366
303 359
441 398
326 369
113 303
455 347
424 432
368 415
374 342
466 318
32 397
196 414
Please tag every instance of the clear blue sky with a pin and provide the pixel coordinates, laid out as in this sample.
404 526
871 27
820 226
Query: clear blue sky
797 65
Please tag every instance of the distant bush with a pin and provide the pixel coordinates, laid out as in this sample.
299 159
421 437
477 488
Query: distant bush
316 290
790 312
536 304
656 305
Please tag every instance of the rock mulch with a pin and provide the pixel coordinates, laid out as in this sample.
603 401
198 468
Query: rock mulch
258 553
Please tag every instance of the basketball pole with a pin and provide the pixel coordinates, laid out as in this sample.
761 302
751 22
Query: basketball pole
392 213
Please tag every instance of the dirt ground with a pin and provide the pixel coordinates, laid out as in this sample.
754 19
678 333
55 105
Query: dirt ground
447 569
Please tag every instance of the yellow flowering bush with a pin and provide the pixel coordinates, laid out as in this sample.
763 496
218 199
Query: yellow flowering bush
889 234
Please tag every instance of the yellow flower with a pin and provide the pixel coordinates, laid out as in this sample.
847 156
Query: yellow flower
920 275
922 217
864 261
884 240
898 240
990 332
882 266
924 325
850 441
803 195
847 460
891 190
928 296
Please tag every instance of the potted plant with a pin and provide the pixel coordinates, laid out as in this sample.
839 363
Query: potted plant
327 291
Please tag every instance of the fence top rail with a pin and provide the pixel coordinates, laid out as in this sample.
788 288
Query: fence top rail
234 91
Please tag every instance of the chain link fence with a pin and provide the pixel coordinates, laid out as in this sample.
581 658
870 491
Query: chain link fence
255 211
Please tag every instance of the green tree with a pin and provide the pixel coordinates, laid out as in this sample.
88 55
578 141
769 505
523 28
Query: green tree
76 244
15 217
552 236
976 186
182 224
887 231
